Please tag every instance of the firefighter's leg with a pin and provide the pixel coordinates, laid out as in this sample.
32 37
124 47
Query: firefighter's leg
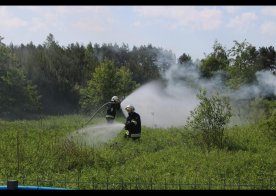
135 136
109 120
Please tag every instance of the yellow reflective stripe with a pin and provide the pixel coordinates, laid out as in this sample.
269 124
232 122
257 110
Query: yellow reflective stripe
134 121
135 135
109 116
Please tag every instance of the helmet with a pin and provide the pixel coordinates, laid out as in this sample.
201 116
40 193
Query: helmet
130 108
115 98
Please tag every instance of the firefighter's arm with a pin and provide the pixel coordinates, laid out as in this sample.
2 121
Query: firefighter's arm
130 124
127 125
134 122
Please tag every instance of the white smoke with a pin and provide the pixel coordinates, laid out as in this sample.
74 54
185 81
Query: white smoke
166 105
161 107
264 86
169 105
267 82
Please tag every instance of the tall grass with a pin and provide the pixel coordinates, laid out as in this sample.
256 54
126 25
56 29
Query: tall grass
39 149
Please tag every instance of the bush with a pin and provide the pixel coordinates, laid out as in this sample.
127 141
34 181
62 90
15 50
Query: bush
210 118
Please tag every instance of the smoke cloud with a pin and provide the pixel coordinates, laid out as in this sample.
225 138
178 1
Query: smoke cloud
168 104
266 86
161 106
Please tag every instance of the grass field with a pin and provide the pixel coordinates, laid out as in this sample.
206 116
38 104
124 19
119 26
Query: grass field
40 149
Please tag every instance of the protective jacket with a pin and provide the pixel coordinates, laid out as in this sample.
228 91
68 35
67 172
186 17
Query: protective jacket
112 108
133 125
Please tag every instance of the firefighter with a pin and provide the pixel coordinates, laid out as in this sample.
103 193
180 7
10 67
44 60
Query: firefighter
113 106
133 124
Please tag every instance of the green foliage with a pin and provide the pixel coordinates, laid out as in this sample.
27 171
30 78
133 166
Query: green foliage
269 106
62 74
269 125
239 64
18 96
144 64
7 58
209 66
43 149
59 72
247 111
243 64
107 81
216 61
125 85
267 58
210 119
101 87
73 156
184 58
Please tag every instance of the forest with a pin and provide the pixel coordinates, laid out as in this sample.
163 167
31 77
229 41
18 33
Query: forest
49 79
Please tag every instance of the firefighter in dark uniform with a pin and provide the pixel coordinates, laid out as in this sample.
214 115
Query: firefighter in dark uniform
133 124
113 106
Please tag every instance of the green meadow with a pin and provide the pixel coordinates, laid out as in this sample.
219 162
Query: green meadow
40 151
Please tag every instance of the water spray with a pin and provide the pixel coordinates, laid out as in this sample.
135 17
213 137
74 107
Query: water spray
97 134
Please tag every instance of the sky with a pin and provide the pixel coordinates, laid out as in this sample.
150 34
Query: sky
182 29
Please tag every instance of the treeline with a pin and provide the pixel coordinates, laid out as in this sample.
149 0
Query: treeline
53 79
239 63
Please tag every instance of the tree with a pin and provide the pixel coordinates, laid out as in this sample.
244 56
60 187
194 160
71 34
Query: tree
210 118
144 64
125 84
18 96
215 61
106 81
267 58
243 64
184 58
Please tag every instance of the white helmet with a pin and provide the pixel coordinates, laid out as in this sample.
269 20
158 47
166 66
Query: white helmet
115 98
130 108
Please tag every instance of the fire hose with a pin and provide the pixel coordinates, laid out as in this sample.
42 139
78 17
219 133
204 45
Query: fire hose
95 114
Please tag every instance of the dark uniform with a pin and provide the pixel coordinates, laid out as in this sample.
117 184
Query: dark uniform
133 126
112 108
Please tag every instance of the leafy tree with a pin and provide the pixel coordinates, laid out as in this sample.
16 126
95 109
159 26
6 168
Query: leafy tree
17 94
100 87
243 66
144 64
184 58
90 63
125 84
267 58
215 61
210 118
62 73
106 81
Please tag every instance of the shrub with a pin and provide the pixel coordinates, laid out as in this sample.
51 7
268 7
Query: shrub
210 118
